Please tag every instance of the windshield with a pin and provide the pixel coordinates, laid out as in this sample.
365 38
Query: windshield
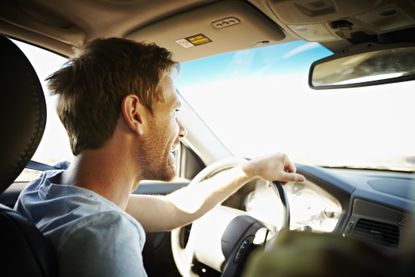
258 101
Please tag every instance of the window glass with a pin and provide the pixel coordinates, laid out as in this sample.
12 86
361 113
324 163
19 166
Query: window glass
54 146
258 101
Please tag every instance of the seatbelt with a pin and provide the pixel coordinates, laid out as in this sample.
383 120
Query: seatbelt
40 166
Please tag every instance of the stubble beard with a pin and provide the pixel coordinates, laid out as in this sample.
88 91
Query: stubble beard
155 164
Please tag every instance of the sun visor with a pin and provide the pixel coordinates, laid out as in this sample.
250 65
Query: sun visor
215 28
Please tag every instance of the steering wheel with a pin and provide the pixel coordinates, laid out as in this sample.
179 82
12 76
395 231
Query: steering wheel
226 246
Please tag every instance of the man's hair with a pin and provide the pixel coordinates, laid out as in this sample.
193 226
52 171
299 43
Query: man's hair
91 86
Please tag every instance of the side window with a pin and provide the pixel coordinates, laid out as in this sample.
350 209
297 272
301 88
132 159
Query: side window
54 146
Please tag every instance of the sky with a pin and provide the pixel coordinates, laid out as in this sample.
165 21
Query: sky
270 60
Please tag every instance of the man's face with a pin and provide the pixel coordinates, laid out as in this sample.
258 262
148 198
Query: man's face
163 135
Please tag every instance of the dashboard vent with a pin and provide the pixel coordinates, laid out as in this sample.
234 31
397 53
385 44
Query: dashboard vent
377 232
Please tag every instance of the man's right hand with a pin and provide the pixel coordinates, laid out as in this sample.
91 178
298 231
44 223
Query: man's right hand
275 167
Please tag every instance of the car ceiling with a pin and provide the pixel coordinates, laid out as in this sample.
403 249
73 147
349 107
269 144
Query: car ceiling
61 25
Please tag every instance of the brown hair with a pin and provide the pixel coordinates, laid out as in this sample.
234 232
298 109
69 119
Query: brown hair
92 85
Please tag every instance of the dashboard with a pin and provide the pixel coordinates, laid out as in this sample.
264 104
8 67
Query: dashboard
311 208
374 206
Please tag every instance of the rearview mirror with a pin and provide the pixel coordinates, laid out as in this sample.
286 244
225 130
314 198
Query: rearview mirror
368 65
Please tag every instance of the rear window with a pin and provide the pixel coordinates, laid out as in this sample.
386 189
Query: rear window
54 146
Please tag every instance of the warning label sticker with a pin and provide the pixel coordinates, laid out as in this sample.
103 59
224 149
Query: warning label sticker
184 43
194 40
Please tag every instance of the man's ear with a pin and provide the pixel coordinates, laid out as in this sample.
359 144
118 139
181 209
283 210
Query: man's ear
133 113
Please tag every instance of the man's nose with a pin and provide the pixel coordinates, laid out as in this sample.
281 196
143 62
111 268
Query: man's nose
182 130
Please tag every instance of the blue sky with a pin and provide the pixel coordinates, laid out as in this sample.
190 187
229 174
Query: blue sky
286 58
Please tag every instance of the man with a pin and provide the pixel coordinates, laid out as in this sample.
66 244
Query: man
119 106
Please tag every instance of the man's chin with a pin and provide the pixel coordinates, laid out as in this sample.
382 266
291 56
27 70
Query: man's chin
163 172
171 168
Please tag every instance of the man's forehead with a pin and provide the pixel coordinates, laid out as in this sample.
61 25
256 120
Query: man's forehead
168 89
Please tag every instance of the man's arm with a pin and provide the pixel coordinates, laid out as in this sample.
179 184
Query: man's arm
162 213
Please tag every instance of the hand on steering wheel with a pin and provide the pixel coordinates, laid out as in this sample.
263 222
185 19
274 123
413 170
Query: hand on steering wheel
184 255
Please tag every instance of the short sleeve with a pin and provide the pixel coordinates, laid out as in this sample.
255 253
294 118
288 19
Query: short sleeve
104 244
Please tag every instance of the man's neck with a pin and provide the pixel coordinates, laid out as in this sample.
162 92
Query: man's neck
103 172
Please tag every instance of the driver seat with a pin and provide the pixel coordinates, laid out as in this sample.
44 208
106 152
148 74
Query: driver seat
23 117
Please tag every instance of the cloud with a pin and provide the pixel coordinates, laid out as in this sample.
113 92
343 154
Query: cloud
301 49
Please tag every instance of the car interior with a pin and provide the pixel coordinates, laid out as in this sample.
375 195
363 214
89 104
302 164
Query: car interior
370 43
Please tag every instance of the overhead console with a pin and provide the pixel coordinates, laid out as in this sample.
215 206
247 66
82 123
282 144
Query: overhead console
348 20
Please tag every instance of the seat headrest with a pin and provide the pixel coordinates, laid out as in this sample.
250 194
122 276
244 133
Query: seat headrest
22 110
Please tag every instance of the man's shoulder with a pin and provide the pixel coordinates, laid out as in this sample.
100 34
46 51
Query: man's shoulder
50 205
104 221
107 227
108 220
63 211
98 215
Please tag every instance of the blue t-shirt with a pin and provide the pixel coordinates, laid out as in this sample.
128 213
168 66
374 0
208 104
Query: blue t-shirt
92 236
